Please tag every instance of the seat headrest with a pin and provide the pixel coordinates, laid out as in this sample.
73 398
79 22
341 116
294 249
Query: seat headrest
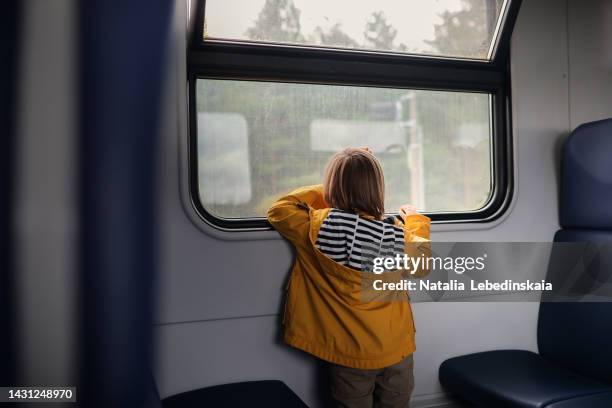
586 177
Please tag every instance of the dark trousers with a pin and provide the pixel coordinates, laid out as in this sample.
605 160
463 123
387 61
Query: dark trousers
388 387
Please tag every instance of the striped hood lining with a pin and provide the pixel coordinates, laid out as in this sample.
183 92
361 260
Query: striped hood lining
354 241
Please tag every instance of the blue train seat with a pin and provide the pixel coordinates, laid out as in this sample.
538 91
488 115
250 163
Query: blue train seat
573 368
270 393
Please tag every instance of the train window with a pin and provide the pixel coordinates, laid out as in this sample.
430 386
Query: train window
277 86
445 28
265 138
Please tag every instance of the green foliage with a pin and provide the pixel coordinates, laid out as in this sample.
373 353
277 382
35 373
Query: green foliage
457 32
279 21
334 37
378 33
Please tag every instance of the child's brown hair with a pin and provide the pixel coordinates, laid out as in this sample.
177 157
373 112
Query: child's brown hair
354 182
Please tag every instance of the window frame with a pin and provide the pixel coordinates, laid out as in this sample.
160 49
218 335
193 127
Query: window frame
330 66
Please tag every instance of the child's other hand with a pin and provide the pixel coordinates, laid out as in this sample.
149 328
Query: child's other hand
407 209
367 149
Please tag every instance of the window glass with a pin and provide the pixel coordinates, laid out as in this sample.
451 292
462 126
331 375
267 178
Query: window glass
223 157
258 140
448 28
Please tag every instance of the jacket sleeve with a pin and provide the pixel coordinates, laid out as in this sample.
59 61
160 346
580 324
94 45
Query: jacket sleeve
289 214
416 241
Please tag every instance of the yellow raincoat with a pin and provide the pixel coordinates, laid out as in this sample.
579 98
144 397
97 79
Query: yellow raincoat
325 312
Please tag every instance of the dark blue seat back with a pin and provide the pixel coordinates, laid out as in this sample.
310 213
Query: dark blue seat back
586 178
578 335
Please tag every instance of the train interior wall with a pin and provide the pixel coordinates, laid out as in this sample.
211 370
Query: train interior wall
220 293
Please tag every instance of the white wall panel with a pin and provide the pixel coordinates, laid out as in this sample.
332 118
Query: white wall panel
590 60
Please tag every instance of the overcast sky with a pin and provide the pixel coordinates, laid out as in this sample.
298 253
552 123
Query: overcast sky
413 19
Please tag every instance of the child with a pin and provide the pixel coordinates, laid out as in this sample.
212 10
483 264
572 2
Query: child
369 344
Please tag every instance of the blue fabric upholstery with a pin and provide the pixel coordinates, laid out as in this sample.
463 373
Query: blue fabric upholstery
586 177
513 378
602 400
121 76
271 393
574 366
572 333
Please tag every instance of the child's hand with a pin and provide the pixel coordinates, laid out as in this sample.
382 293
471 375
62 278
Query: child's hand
407 209
367 149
